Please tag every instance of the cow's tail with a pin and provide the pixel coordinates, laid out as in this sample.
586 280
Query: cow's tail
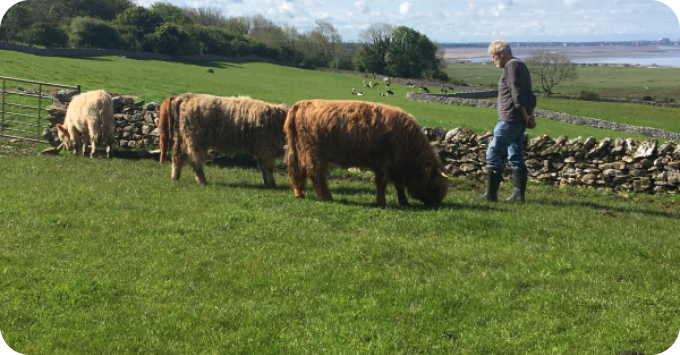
296 172
165 123
172 126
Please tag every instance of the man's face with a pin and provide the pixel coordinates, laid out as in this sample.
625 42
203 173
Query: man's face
499 59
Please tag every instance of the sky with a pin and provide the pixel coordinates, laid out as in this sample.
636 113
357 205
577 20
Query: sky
463 21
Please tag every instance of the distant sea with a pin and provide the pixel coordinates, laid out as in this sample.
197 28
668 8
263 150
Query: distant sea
671 60
662 56
666 61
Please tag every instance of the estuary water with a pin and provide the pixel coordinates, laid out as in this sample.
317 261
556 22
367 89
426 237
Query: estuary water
662 56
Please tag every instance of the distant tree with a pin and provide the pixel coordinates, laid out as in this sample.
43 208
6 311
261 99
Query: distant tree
376 42
171 14
60 12
16 20
206 16
240 25
47 35
139 17
291 36
134 24
171 39
265 31
326 43
216 40
411 54
103 9
550 68
57 13
88 32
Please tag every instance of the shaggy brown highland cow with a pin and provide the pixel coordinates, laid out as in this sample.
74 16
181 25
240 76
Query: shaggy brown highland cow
89 118
229 125
368 135
164 125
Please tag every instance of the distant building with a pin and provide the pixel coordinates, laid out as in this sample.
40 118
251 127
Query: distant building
665 39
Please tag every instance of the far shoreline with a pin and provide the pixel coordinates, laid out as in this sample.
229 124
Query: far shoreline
592 54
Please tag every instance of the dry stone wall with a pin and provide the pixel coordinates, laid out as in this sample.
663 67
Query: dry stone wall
136 122
619 165
613 165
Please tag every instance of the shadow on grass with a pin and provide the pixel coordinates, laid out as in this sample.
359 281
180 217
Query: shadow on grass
237 161
133 155
415 205
211 64
254 186
94 59
603 209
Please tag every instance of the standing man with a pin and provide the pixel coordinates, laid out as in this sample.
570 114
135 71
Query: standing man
516 103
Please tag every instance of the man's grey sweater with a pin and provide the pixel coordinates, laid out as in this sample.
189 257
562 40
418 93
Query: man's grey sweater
514 90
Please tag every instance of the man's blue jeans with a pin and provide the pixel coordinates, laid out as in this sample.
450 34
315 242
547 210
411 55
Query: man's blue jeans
507 137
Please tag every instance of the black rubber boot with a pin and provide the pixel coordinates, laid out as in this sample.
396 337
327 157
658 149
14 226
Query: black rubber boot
519 186
494 176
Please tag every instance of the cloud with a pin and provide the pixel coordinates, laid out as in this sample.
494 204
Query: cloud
571 3
505 5
362 7
405 8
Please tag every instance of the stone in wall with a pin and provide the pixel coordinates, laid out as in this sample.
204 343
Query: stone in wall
619 165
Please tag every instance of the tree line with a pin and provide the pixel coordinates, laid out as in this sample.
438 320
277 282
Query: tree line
167 29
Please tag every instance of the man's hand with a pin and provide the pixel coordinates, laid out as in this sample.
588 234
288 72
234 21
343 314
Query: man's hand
528 119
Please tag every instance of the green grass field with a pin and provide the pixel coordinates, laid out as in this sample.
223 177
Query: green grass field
111 256
612 82
153 81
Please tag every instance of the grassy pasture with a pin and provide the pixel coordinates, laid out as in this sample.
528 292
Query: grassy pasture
153 81
665 118
110 256
630 82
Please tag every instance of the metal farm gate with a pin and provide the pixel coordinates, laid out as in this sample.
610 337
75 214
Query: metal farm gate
25 99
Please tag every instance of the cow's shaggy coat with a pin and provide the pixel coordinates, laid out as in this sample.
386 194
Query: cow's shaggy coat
381 138
89 118
164 128
229 125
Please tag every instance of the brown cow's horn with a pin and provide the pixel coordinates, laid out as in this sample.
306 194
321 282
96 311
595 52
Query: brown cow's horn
442 173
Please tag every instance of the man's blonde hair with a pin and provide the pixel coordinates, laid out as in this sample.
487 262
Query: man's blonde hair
496 47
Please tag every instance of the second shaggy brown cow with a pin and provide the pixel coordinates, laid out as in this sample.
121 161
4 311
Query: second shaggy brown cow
368 135
229 125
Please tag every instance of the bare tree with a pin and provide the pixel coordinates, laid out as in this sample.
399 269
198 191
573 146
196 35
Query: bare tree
206 16
327 40
240 25
551 68
377 39
291 36
265 31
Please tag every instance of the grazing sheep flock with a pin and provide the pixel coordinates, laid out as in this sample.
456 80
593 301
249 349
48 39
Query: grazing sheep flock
318 134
